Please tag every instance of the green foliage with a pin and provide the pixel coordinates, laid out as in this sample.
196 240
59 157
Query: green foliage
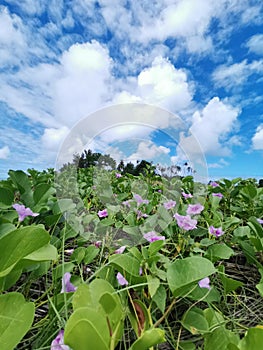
16 318
163 298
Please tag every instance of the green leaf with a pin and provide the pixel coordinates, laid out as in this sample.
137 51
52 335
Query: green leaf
20 179
17 244
184 274
108 302
129 266
229 284
220 339
6 197
9 280
259 287
16 318
45 253
204 294
195 321
90 254
87 327
154 247
160 298
41 193
219 251
148 339
242 231
153 284
253 339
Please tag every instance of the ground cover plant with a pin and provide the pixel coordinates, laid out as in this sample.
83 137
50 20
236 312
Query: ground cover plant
104 260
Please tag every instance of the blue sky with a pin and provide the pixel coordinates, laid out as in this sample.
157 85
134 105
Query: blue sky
201 62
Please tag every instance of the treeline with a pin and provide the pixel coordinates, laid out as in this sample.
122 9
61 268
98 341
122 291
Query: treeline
90 159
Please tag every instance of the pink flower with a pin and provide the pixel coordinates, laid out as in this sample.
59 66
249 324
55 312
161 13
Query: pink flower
187 195
127 203
185 222
139 199
141 215
103 213
67 286
152 237
169 205
194 209
120 250
98 244
122 281
217 232
214 184
118 175
260 221
204 283
217 195
23 212
58 342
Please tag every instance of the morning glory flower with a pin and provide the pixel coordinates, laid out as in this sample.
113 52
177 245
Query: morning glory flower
141 215
260 221
169 205
139 199
152 237
97 244
103 213
118 175
187 195
23 212
217 232
194 209
217 195
67 286
185 222
58 342
205 283
214 184
120 250
122 281
127 203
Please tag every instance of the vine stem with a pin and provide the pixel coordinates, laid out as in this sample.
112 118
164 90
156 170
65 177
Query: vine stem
168 310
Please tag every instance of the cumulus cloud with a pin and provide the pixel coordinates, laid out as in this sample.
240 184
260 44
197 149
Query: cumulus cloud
211 127
255 44
52 138
257 139
84 82
148 150
165 85
4 152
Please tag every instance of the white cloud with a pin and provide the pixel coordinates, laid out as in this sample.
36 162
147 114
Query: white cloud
149 151
233 76
30 7
4 152
52 138
12 39
255 44
84 82
211 127
164 85
188 19
257 139
220 164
